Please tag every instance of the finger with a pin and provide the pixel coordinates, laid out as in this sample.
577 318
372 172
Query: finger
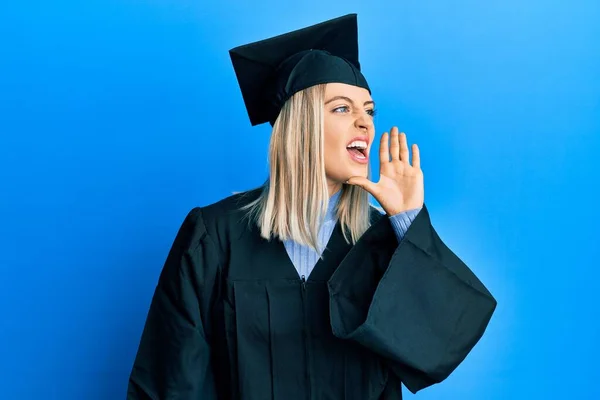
416 162
384 154
364 183
403 148
394 147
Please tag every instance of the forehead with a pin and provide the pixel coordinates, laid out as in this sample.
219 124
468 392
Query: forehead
355 93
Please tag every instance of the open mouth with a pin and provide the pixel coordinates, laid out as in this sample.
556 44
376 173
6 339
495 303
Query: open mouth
360 153
358 149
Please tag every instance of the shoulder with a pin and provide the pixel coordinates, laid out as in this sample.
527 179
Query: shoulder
228 209
222 221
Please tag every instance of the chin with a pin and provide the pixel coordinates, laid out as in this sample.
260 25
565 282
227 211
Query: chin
360 171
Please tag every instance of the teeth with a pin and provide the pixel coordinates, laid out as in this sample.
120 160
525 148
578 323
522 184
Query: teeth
360 144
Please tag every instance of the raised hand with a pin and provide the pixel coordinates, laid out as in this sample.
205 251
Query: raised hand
400 187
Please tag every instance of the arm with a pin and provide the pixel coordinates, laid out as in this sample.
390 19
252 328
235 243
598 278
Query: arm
173 359
416 304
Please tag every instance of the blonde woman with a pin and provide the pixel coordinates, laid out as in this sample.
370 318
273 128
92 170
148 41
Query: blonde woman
299 289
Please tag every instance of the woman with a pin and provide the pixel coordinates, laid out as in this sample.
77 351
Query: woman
300 289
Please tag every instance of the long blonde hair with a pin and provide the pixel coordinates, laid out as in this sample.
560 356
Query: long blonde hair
295 197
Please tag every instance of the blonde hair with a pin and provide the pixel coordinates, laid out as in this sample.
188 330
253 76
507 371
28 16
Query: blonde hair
295 197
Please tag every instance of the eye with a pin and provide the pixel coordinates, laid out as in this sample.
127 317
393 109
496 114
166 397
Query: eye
372 112
337 109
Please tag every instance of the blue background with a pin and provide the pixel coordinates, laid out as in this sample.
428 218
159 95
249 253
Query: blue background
118 117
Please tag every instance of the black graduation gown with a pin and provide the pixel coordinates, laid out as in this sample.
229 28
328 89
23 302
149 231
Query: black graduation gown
231 318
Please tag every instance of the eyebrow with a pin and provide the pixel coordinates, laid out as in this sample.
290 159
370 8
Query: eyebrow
348 99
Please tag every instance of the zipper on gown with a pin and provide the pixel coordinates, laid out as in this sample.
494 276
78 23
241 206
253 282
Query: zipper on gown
306 338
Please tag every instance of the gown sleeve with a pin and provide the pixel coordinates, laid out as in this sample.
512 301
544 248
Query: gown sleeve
173 360
415 303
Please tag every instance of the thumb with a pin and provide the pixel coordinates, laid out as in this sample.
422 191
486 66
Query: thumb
363 182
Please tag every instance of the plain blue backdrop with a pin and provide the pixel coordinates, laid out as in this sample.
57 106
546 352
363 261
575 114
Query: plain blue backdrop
118 117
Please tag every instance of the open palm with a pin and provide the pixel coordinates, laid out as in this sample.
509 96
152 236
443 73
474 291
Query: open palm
400 187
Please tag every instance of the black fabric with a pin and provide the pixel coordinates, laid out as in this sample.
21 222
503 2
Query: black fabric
231 318
270 71
423 315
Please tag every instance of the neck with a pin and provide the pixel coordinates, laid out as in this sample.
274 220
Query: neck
334 188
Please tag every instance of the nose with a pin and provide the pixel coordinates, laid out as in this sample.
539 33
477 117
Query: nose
364 122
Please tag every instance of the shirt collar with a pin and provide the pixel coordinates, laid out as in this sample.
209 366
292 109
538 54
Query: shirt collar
333 200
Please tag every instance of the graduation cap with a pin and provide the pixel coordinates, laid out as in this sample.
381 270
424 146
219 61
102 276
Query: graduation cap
270 71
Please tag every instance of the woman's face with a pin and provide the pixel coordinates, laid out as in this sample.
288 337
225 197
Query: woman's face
349 133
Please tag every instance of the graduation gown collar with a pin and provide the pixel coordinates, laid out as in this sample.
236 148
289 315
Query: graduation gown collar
334 252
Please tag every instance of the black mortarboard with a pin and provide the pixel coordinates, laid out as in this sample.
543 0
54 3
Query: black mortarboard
270 71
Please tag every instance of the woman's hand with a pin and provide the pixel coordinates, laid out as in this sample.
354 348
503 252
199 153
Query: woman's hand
400 187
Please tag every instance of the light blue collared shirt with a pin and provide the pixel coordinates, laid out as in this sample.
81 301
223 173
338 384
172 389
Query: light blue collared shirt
304 258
